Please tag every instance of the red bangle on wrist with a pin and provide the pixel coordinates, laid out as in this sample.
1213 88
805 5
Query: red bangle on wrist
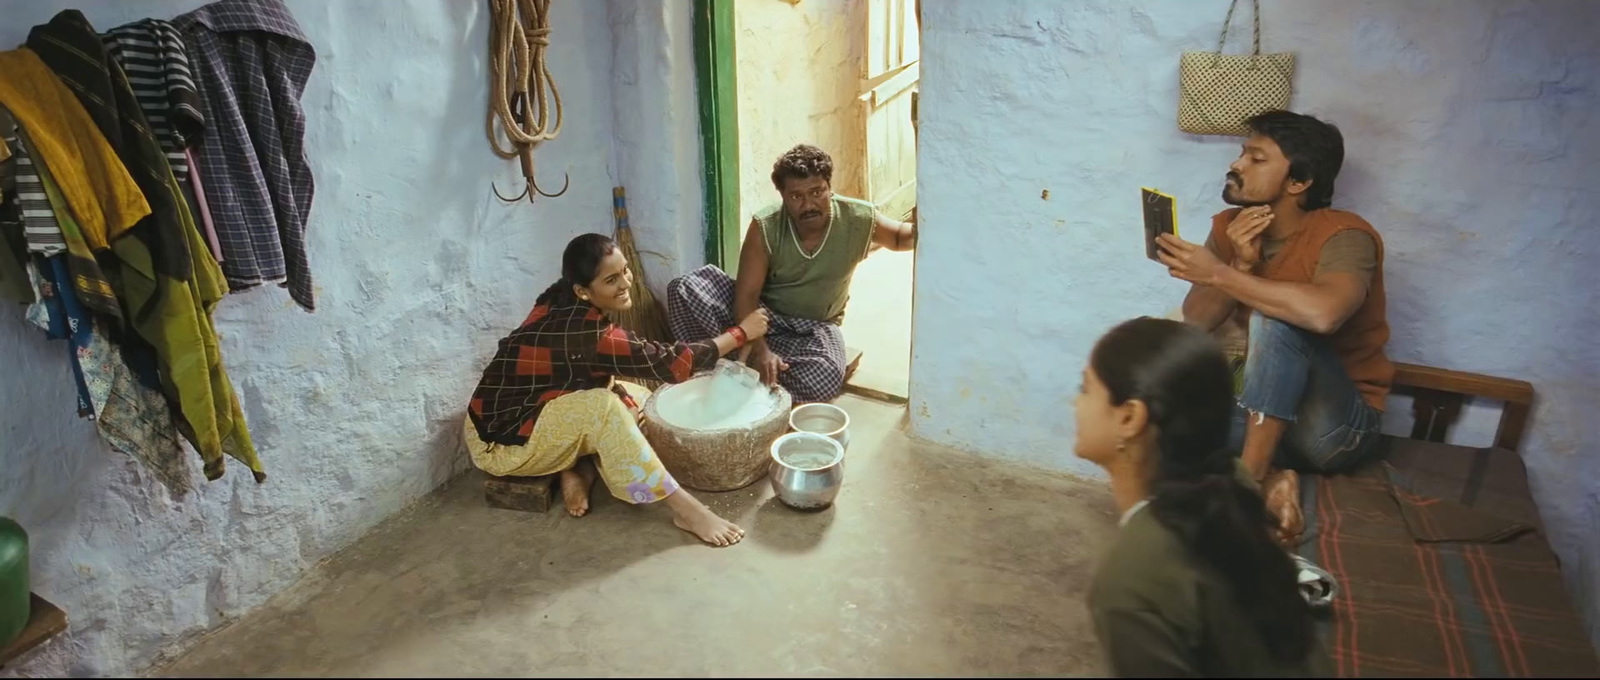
739 338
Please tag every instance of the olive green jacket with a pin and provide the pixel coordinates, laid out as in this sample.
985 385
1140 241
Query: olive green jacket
1159 613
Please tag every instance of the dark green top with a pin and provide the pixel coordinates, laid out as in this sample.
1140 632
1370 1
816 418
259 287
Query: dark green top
1160 613
816 285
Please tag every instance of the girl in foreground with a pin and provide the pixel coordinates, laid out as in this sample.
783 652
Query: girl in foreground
548 398
1194 584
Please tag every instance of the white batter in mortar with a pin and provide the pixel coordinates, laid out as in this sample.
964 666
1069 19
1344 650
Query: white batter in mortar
707 403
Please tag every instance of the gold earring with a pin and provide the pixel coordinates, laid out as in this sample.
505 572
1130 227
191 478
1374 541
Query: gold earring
1122 446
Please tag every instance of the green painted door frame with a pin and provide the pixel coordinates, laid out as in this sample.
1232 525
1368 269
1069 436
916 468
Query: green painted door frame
717 90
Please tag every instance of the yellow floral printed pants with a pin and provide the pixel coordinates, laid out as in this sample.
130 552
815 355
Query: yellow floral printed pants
575 425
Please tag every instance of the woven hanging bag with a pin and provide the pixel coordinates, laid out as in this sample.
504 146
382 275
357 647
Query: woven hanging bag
1218 92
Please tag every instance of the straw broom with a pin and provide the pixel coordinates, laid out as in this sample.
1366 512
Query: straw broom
645 318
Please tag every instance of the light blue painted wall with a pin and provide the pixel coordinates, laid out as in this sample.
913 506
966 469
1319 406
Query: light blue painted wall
420 270
1469 145
657 144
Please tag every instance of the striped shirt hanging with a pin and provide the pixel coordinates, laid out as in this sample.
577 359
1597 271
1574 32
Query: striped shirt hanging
156 62
39 226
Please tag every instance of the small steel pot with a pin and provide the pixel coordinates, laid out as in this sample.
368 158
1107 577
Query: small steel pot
824 419
807 487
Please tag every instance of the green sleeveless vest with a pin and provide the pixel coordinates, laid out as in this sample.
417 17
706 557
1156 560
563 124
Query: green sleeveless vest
819 286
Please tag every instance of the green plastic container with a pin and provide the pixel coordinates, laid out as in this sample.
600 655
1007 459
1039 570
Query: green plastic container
14 593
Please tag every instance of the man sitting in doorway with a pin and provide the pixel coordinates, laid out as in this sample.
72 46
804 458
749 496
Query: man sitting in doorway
797 261
1306 282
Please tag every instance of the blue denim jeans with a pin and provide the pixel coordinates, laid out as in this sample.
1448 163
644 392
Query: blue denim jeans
1293 375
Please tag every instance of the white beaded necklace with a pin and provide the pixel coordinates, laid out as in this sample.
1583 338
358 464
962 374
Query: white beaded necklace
795 236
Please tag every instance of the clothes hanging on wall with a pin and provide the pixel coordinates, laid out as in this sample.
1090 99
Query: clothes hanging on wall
152 53
39 228
153 56
134 417
199 207
73 50
38 313
14 284
96 184
13 246
132 164
251 63
38 225
170 284
87 278
68 321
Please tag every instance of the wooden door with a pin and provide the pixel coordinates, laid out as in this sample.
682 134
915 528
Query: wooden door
889 81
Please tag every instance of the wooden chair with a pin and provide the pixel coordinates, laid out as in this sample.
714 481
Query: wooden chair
1438 395
1492 478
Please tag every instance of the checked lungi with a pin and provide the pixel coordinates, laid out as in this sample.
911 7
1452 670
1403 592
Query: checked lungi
700 307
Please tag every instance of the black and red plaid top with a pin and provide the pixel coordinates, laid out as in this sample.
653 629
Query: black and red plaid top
564 349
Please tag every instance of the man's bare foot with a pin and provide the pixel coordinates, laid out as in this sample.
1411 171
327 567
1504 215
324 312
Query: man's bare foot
1281 490
690 515
575 485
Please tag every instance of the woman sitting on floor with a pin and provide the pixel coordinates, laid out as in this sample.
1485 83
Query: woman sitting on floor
1195 584
548 398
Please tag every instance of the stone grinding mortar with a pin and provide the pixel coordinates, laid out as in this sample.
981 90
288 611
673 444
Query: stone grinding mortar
714 459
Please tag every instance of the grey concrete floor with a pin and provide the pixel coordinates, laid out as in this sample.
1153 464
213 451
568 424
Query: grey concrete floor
931 562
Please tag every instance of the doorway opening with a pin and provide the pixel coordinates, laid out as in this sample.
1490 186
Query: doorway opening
842 75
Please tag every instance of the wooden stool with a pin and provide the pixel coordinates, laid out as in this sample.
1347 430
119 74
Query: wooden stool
528 494
45 621
535 494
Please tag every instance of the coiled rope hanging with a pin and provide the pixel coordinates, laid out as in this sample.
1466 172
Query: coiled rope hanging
519 32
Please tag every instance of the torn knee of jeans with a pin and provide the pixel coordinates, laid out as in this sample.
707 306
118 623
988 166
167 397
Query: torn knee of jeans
1256 417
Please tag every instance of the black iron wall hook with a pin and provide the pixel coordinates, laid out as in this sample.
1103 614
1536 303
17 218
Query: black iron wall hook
531 189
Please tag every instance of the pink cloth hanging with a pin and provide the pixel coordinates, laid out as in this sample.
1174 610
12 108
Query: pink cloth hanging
204 210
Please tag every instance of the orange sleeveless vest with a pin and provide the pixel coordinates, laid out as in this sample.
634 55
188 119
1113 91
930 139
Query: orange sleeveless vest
1360 341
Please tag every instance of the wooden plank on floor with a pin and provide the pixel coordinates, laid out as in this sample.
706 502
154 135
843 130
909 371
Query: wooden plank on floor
853 358
45 621
877 395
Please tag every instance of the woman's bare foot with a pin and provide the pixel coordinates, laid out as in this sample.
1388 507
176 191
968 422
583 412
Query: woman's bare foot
690 515
575 484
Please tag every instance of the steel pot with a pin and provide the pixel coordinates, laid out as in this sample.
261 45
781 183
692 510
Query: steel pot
807 470
824 419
